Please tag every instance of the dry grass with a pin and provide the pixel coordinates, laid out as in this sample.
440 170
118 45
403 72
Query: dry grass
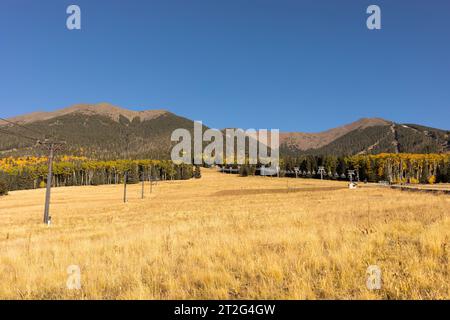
217 238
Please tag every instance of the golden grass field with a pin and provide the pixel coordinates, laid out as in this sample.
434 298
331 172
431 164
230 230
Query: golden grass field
226 237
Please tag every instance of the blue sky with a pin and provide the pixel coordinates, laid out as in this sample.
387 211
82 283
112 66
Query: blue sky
288 64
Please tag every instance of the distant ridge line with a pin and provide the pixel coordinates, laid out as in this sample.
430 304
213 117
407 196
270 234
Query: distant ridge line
104 109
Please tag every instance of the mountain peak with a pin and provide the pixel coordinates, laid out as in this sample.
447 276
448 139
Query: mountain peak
370 122
304 141
104 109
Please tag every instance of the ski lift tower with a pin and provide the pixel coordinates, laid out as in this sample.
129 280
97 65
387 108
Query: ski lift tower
351 185
351 173
321 170
296 170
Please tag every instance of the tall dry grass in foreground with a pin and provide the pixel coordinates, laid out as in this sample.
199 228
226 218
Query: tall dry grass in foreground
226 237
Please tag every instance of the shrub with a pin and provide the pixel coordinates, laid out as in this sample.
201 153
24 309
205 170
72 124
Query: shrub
432 179
3 188
244 171
197 173
413 181
400 181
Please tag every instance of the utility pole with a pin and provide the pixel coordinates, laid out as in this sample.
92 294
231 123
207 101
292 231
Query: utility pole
52 147
126 140
125 178
49 186
150 178
151 183
143 183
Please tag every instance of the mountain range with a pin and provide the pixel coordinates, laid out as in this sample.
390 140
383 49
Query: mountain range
104 131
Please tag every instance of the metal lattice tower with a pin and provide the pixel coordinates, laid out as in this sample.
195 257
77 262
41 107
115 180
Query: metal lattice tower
351 173
321 170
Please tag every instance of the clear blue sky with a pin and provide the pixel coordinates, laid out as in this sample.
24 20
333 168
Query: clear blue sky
289 64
